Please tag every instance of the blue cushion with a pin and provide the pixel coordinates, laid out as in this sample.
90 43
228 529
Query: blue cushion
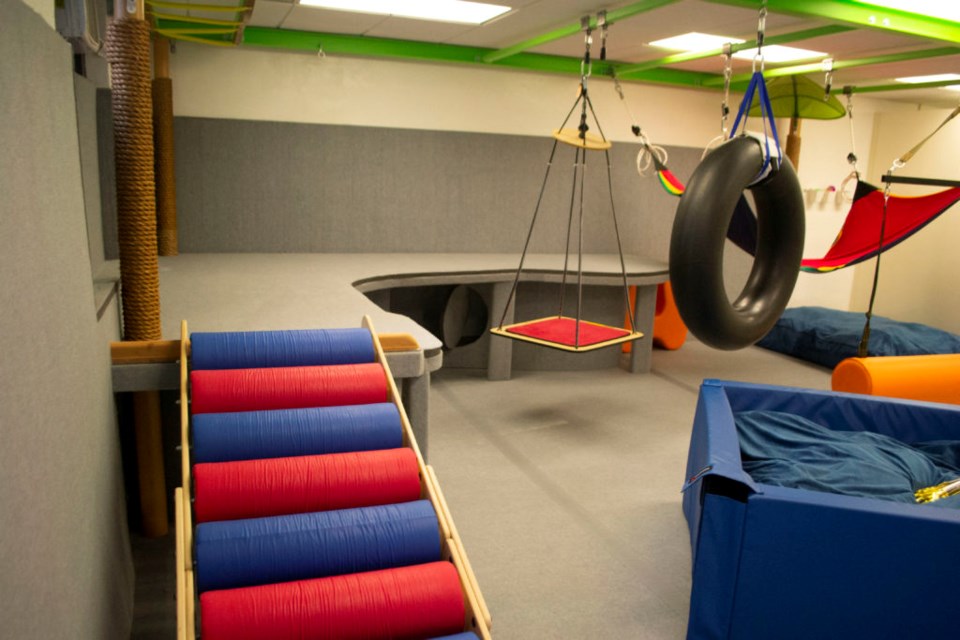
827 336
788 450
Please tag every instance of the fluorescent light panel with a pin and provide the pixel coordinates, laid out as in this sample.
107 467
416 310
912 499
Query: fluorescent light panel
779 53
695 41
458 11
943 9
940 77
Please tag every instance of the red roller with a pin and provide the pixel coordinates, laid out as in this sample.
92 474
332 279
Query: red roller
228 390
279 486
421 601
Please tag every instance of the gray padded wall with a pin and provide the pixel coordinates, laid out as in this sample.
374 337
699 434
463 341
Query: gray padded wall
108 175
86 94
250 186
63 544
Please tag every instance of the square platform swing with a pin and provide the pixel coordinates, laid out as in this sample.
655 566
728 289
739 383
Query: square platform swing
780 562
567 334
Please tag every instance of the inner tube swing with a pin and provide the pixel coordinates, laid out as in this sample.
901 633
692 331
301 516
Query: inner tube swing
697 243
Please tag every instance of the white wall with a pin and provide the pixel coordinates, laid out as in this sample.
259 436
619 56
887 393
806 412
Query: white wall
918 278
294 87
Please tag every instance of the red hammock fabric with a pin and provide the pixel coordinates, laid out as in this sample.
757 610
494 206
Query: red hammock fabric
859 238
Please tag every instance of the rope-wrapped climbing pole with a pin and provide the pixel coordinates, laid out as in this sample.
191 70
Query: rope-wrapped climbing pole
163 149
128 51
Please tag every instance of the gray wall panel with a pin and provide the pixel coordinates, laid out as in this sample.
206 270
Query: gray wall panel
108 174
86 94
66 561
248 186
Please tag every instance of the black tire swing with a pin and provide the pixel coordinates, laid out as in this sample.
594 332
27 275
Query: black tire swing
700 228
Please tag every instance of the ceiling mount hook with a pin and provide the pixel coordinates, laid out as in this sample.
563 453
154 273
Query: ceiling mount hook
761 30
827 66
603 26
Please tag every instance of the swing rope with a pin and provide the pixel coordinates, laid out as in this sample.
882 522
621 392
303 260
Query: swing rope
616 226
576 208
899 163
526 244
759 87
613 208
725 105
852 156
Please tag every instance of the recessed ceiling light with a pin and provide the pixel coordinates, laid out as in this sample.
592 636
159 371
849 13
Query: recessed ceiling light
695 42
779 53
943 9
459 11
940 77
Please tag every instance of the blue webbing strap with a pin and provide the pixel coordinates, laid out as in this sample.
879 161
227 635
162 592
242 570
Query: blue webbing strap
758 85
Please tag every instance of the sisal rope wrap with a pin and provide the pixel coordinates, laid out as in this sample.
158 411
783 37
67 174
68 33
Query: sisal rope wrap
128 51
164 166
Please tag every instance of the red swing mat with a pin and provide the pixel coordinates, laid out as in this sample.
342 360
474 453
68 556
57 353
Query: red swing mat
859 238
560 332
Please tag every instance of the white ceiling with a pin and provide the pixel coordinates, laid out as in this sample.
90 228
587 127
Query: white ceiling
628 38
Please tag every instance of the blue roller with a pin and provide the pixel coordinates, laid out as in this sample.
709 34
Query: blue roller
259 349
466 635
249 435
240 553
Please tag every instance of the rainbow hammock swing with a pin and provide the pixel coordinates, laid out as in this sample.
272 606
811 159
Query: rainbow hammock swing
864 233
860 237
878 220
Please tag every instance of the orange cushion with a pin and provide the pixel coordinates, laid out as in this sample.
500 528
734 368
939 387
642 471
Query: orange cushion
934 378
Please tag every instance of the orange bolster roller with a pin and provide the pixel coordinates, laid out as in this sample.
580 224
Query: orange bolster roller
669 332
933 378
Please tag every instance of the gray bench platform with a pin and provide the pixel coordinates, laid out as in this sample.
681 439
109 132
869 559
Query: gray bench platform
249 292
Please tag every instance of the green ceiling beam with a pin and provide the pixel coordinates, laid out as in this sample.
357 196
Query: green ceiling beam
627 70
351 45
613 15
815 67
861 15
901 86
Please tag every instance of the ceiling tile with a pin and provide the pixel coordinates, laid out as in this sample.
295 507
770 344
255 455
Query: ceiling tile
424 30
269 14
325 21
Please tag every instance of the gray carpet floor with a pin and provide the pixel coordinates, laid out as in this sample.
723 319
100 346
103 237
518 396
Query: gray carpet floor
565 487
